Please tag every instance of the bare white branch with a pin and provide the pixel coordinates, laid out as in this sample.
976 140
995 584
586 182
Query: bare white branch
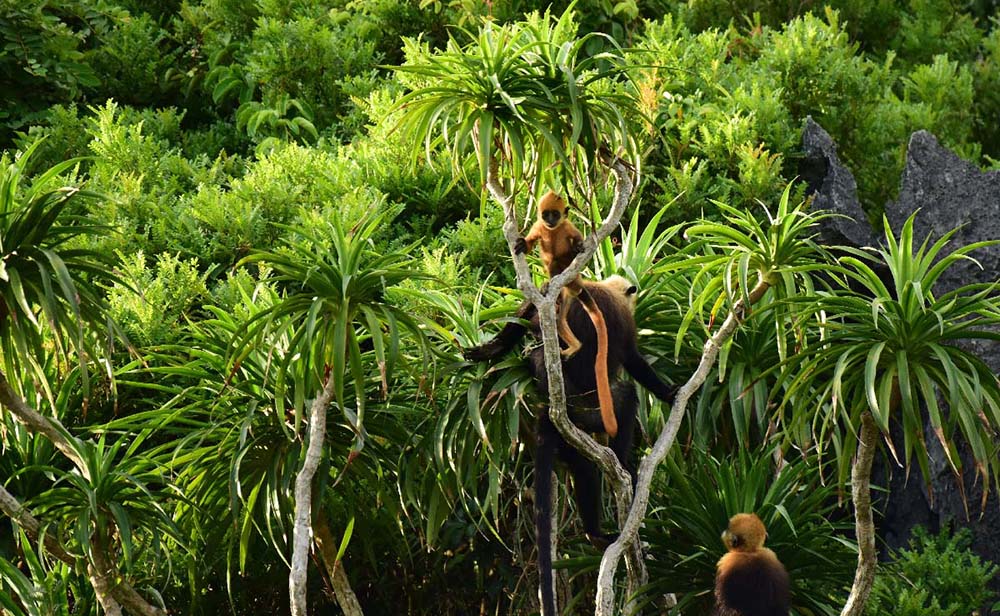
630 529
302 533
545 304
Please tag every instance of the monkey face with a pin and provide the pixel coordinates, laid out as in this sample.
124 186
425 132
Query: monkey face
552 218
551 210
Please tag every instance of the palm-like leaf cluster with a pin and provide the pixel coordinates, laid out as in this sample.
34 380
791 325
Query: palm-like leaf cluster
111 501
889 343
44 591
704 491
524 94
335 296
235 456
49 279
741 253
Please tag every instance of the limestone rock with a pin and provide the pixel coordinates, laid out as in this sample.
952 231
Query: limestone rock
833 188
950 192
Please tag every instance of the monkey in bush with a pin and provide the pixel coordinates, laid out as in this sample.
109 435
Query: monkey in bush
560 241
615 297
750 580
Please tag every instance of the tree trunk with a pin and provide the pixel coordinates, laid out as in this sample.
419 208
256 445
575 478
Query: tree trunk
102 588
861 474
302 533
630 529
327 547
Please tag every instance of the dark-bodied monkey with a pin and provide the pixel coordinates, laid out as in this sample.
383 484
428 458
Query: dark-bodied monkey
615 297
750 580
559 243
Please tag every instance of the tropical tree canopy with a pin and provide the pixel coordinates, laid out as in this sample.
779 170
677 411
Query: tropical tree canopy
244 248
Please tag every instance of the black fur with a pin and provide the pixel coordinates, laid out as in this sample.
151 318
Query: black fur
583 407
757 586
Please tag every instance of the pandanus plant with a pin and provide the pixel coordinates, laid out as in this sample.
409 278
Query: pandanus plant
51 306
334 297
889 354
525 101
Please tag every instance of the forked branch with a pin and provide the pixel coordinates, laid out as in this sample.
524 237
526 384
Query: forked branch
545 304
630 529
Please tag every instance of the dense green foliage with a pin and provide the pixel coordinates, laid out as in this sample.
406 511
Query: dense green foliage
936 576
208 207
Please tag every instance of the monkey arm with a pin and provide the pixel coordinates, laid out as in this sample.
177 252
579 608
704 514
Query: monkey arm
506 339
640 370
575 239
527 243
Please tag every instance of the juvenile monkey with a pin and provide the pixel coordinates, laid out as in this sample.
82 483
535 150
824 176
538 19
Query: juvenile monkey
560 241
750 580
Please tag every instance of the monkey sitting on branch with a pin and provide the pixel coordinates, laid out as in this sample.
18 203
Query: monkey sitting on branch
559 242
615 298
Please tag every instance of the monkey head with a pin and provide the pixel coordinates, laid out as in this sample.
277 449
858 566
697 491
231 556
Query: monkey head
621 289
551 210
746 533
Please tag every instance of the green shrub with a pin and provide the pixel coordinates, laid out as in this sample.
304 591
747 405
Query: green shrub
42 60
941 98
938 575
695 494
64 132
819 72
132 60
930 27
152 311
729 105
221 224
481 245
986 81
308 59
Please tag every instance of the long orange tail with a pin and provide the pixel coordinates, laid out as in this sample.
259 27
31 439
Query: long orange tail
601 365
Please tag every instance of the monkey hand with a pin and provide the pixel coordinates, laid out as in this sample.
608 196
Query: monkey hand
603 540
483 352
520 246
667 393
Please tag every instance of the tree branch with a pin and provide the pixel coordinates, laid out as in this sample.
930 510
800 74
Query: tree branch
630 529
302 533
107 583
32 527
620 480
49 427
327 547
102 588
861 475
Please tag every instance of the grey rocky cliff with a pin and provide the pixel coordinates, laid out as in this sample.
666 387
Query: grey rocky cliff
948 192
832 187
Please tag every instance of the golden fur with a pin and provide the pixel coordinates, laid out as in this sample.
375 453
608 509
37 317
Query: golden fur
559 243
